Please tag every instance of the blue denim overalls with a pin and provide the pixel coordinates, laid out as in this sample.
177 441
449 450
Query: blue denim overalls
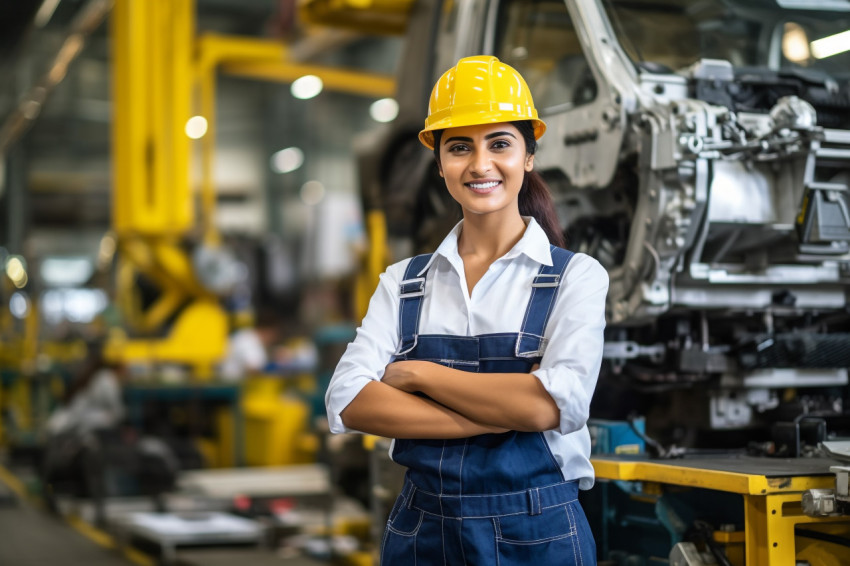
493 499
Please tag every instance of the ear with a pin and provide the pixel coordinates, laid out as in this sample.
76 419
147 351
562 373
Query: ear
440 169
529 162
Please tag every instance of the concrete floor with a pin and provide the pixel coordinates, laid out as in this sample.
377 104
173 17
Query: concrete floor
31 537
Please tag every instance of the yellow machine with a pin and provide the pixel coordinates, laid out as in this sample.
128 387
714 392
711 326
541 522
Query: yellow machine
163 74
153 209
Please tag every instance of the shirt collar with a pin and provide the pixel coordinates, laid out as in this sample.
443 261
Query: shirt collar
534 243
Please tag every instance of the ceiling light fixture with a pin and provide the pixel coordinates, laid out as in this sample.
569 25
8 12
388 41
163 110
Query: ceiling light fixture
196 127
831 45
307 87
287 160
384 110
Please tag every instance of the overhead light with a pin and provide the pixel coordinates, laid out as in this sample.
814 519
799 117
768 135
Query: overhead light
74 305
45 12
66 271
287 160
384 110
196 127
19 305
312 193
831 45
307 87
795 43
16 270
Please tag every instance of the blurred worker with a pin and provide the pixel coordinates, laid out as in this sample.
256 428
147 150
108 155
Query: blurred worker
93 399
85 441
248 346
480 359
76 430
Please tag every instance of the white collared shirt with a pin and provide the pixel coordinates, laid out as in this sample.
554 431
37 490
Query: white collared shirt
570 364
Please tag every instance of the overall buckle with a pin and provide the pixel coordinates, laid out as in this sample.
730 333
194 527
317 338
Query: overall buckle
546 280
412 288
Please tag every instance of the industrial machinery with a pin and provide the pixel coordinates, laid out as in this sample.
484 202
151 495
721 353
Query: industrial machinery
701 152
160 236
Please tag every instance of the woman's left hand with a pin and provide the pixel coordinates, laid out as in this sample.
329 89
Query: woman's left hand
405 375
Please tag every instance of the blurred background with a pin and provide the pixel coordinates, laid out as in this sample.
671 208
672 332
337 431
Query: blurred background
180 235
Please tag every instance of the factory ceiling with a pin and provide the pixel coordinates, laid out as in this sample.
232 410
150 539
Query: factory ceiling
63 158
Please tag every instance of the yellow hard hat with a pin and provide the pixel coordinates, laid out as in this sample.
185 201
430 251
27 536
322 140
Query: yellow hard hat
479 90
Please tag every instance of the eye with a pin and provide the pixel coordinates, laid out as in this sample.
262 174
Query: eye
500 144
458 147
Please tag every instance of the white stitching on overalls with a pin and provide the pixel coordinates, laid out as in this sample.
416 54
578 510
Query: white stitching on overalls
460 475
442 451
574 531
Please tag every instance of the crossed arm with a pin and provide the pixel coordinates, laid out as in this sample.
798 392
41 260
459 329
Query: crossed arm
458 403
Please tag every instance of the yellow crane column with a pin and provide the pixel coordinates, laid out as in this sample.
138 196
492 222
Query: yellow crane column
153 202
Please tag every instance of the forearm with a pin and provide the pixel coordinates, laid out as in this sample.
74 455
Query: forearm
385 411
516 401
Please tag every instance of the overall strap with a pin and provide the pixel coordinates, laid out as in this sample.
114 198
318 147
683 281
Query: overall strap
530 342
411 291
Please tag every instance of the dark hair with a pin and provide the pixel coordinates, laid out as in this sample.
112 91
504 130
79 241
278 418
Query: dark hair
535 199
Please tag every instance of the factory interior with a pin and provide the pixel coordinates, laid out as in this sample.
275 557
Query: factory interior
198 199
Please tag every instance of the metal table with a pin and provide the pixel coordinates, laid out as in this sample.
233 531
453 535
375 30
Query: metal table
771 488
172 530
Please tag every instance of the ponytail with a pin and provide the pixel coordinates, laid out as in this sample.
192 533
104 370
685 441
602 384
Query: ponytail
535 199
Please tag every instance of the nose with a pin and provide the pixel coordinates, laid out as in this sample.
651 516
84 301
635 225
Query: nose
480 162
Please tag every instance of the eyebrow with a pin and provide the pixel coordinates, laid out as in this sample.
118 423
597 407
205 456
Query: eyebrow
487 137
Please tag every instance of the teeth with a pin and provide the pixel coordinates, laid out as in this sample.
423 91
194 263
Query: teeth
483 185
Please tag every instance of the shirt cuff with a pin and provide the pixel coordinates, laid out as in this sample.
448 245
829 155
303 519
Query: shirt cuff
564 387
340 397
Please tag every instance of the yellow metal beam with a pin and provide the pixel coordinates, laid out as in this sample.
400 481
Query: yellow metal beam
341 80
731 482
388 17
152 46
266 60
214 49
375 260
269 60
770 522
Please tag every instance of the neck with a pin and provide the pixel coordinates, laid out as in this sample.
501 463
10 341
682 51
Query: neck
490 236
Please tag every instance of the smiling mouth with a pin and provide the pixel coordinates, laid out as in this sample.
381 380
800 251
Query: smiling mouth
483 188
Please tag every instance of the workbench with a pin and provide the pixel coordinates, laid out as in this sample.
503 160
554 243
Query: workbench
196 395
771 488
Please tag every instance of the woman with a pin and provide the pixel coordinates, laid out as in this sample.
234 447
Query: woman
480 359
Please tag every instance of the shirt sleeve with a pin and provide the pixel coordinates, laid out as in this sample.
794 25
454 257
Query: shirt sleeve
367 356
570 365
